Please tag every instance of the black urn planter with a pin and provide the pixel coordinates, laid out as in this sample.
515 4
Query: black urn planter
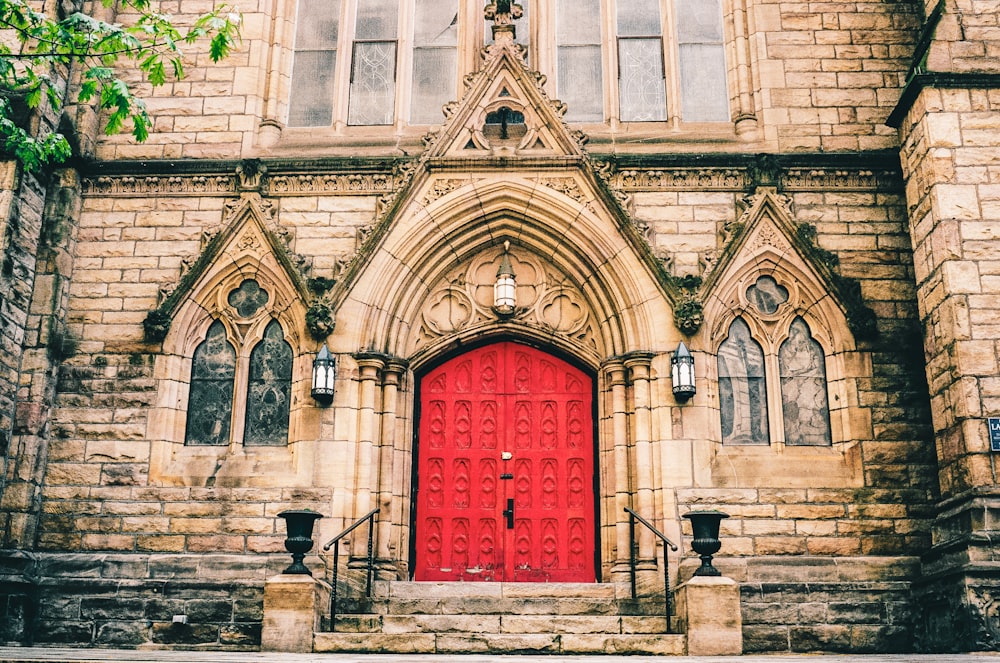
705 526
300 526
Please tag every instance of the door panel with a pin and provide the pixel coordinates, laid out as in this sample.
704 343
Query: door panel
476 409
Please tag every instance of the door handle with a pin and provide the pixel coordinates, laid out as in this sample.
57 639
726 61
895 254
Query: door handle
509 513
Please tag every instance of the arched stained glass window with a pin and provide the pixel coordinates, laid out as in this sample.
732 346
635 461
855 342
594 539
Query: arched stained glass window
742 389
269 391
804 403
210 406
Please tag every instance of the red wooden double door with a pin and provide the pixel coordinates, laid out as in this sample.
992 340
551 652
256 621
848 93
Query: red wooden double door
505 469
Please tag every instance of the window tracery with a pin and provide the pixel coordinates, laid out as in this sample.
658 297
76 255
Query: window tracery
253 381
775 389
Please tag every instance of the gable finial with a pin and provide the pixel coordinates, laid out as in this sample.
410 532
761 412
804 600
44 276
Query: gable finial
503 13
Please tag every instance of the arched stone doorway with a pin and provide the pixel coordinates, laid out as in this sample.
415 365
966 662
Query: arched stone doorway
505 471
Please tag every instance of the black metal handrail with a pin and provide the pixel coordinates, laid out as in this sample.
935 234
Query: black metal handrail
667 546
369 566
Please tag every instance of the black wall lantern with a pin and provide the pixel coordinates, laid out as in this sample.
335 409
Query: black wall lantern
705 526
682 373
324 376
299 523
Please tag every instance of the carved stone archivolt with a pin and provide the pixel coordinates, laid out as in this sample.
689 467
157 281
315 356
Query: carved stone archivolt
546 300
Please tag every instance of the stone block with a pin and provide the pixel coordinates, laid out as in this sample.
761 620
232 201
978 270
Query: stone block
169 633
560 624
765 638
293 607
374 643
209 610
709 607
110 608
63 632
122 634
481 643
441 623
638 645
820 638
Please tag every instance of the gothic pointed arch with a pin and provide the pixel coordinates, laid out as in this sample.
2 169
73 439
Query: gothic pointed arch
454 182
767 241
245 292
778 329
577 241
248 238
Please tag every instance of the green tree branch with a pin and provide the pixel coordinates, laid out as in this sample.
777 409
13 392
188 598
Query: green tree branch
151 42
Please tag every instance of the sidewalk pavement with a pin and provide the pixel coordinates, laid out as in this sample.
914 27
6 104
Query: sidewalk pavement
65 655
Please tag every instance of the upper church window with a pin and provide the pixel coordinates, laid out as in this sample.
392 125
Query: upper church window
657 60
349 55
391 62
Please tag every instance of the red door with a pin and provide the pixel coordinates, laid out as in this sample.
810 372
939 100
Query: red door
505 469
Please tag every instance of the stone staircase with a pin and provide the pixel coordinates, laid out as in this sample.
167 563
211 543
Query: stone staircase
501 618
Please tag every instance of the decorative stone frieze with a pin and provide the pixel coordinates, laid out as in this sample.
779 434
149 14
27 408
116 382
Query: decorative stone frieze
308 184
634 180
693 179
160 185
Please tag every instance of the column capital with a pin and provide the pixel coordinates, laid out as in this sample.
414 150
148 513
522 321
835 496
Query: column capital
638 364
615 368
371 363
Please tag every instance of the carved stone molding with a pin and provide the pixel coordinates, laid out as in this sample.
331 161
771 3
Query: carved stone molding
175 185
814 179
295 184
741 179
700 179
546 299
331 183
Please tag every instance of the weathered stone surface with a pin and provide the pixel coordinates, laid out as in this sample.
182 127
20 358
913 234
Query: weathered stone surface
709 608
293 607
639 645
491 643
369 643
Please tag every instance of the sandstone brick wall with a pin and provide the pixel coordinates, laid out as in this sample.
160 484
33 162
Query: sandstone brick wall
966 39
952 169
829 73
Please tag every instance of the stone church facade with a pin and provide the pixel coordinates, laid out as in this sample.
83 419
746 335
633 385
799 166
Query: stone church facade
807 197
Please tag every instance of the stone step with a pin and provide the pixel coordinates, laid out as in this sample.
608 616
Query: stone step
500 643
503 606
398 624
396 590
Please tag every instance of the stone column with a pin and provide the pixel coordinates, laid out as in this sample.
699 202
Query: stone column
638 368
949 121
391 378
622 485
370 366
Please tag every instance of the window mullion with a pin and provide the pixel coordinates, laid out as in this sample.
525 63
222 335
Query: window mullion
671 66
240 390
775 418
344 64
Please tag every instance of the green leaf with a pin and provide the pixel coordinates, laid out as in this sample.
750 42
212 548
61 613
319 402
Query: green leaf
37 43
